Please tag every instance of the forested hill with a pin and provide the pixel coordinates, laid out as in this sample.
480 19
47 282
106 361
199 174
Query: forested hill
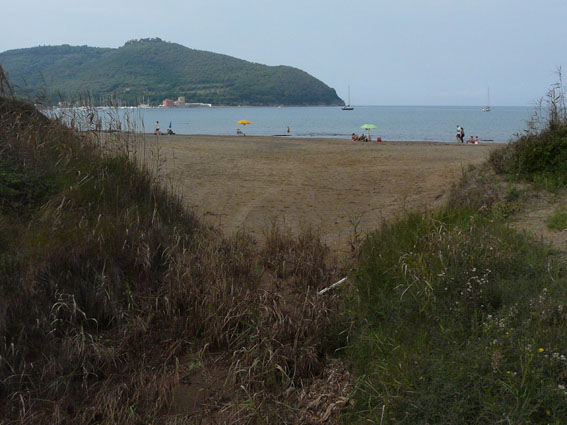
154 69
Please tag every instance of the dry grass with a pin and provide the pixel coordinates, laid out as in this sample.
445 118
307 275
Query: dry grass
112 294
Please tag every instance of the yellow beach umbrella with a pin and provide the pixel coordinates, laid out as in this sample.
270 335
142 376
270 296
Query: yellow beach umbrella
243 122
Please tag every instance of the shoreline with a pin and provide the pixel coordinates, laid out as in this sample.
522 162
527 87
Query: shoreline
323 139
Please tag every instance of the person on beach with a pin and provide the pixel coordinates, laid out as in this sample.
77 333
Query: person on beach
462 135
354 137
471 140
288 129
458 135
156 131
476 140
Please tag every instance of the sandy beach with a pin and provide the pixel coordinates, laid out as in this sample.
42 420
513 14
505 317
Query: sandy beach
329 184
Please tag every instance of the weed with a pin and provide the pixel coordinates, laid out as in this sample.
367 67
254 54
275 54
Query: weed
558 220
445 306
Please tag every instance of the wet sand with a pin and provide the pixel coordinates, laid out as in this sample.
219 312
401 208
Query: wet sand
330 184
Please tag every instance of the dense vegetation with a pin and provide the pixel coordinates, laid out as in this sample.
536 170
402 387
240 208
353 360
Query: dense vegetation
119 306
539 156
114 298
155 70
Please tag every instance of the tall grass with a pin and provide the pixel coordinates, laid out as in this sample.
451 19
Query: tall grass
458 320
110 289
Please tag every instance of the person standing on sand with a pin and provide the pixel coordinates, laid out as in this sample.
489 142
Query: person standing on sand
462 135
156 131
458 135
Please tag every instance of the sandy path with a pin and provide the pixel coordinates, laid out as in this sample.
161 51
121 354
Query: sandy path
248 182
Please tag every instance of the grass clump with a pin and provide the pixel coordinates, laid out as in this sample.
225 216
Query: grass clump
537 158
458 320
557 220
540 155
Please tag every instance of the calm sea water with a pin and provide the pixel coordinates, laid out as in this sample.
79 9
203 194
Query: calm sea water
397 123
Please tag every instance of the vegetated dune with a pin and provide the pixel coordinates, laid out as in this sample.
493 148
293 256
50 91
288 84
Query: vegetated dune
117 303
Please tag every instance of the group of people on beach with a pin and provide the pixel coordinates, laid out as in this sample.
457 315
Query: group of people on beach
157 132
354 137
461 136
363 138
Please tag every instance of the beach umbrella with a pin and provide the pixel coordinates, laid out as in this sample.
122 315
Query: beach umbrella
243 122
368 127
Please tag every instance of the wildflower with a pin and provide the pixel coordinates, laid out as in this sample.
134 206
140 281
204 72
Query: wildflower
541 350
508 372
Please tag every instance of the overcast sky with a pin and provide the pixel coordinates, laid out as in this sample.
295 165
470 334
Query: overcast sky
391 52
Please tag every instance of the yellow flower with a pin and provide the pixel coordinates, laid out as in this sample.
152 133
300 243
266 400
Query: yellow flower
508 372
548 412
541 350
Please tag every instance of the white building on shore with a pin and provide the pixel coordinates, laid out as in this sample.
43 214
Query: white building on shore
180 103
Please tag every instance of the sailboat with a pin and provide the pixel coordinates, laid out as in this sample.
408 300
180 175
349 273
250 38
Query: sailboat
487 107
347 107
144 104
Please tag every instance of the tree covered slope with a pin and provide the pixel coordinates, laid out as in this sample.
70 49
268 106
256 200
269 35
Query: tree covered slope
155 69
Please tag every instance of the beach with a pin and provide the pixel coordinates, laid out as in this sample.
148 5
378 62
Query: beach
332 185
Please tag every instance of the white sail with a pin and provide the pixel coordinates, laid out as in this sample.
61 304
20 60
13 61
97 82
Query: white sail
347 107
487 107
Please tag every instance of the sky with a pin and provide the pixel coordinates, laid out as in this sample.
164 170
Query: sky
390 52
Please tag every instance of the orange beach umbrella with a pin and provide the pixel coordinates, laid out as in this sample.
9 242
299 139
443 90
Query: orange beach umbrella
243 122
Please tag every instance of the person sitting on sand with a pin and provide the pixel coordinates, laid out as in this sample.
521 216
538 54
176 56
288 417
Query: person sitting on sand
354 137
379 139
170 131
476 140
471 140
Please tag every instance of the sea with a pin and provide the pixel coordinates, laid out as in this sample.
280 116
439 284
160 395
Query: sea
394 123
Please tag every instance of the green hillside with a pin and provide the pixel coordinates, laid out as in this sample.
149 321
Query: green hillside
155 69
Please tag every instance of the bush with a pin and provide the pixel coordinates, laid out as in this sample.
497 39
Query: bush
540 155
539 158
